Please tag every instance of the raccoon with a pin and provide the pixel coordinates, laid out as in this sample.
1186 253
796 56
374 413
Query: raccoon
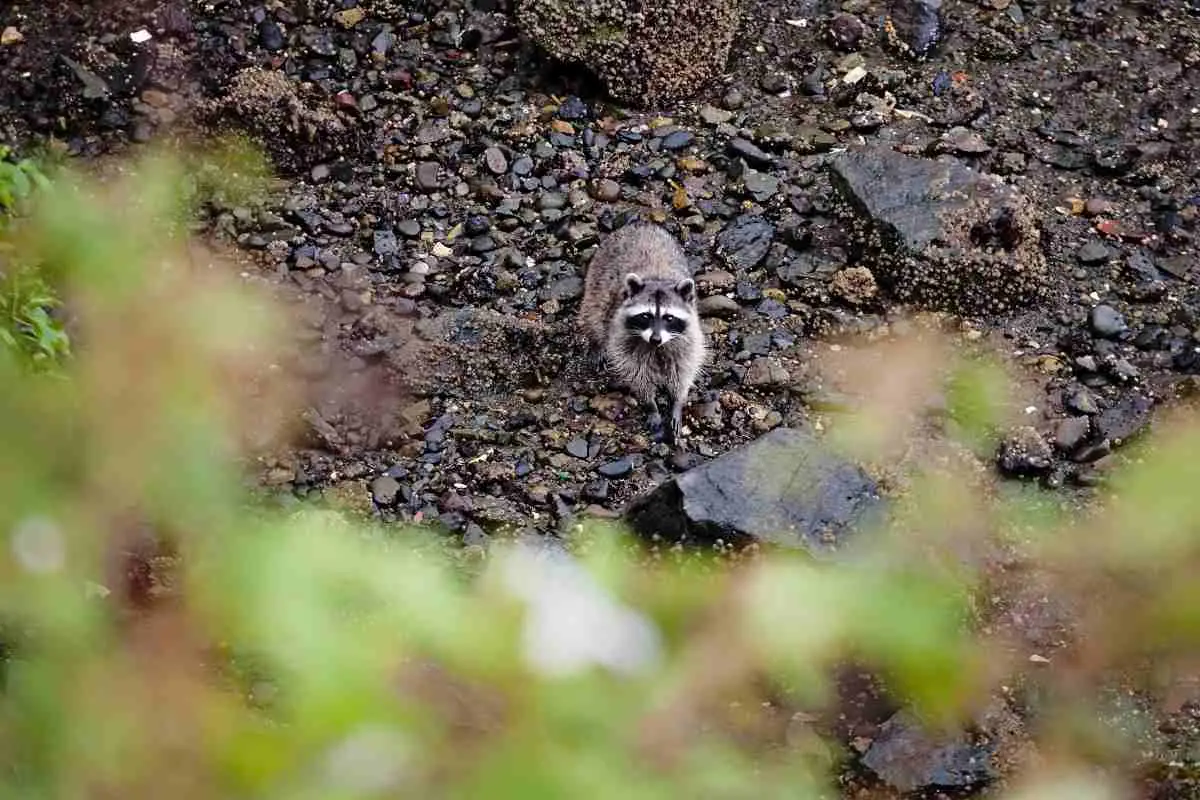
639 314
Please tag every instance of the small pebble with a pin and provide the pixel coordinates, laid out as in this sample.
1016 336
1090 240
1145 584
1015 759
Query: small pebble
385 243
621 468
495 161
605 190
774 83
677 140
428 176
714 116
718 305
1093 252
1107 322
270 36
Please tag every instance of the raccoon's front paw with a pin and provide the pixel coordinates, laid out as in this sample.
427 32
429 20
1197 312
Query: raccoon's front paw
658 430
676 428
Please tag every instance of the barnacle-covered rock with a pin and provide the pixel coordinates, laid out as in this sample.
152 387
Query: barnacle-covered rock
939 234
648 52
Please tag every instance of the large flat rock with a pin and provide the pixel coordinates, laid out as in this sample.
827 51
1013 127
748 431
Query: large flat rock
784 488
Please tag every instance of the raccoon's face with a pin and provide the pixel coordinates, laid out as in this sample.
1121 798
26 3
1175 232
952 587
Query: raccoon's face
658 311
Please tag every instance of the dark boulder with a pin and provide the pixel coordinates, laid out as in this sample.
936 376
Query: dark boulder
908 758
784 488
647 53
939 234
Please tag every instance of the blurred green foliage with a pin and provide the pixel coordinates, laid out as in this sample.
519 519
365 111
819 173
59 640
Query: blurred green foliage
976 398
18 180
229 172
302 654
28 328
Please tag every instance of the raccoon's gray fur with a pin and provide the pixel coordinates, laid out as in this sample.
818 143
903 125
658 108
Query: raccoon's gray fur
639 313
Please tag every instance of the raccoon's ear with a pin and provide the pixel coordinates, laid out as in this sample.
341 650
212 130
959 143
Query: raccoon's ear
633 283
686 289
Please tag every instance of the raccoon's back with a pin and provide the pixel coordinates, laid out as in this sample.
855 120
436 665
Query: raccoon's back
645 249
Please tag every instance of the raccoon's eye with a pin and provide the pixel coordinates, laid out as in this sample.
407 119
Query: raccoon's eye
642 320
674 324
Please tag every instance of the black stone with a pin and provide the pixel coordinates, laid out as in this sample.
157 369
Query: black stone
1071 433
1083 402
385 243
772 308
784 488
270 36
566 288
846 31
476 225
621 468
745 242
383 42
773 83
1127 418
677 140
573 109
909 759
1093 253
745 149
917 24
428 176
638 174
904 195
596 491
309 220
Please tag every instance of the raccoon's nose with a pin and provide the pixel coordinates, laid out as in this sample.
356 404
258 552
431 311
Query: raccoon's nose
656 336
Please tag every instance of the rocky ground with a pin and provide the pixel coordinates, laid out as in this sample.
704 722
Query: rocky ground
446 185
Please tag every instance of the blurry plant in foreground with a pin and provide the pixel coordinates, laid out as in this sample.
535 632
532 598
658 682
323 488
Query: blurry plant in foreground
304 655
27 302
